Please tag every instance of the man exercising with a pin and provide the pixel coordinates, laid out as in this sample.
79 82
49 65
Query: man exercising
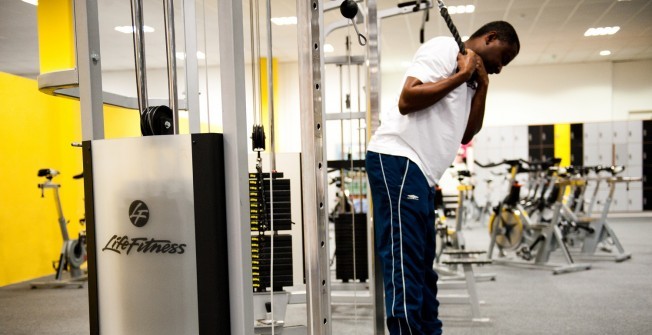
441 105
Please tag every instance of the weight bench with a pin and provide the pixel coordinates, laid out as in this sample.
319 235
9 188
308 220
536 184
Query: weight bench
462 254
469 277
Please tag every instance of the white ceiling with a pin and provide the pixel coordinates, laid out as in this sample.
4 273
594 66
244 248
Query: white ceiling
551 31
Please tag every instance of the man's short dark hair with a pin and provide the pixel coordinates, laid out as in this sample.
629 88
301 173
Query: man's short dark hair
504 30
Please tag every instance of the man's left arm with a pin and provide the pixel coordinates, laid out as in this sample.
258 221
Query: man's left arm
476 116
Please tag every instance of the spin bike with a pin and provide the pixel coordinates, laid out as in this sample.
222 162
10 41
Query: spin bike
73 252
512 229
589 232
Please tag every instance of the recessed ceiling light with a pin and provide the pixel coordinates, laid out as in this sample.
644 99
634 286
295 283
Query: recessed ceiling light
601 31
605 53
284 21
32 2
130 29
329 48
461 9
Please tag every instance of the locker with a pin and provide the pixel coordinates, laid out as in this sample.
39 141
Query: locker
635 153
547 153
521 150
591 155
577 155
620 132
590 132
635 171
635 200
605 133
534 135
505 136
647 199
647 130
621 154
604 154
620 199
577 133
548 135
520 135
534 153
635 131
647 176
647 153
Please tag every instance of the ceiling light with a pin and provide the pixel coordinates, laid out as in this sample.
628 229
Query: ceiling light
201 55
605 53
130 29
601 31
329 48
32 2
284 21
461 9
465 38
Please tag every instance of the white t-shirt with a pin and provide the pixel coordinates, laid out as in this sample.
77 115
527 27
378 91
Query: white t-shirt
429 137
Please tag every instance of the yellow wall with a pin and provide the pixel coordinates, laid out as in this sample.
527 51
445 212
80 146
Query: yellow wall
36 133
37 130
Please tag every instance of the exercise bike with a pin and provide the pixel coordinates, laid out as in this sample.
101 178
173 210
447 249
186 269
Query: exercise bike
73 251
533 241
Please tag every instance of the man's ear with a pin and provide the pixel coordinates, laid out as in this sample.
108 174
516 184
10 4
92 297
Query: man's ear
490 37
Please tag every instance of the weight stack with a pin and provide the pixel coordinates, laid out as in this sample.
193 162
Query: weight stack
344 247
261 252
260 206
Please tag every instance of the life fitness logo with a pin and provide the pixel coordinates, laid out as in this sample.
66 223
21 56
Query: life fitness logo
139 216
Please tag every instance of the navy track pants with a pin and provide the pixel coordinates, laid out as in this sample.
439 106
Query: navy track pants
404 221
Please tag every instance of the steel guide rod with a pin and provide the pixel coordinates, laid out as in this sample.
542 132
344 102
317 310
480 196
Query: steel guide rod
168 13
373 111
314 179
139 53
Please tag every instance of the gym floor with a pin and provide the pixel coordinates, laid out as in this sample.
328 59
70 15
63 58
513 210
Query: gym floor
611 298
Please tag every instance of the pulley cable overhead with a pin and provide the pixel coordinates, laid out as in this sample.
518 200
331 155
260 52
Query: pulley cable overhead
349 9
456 35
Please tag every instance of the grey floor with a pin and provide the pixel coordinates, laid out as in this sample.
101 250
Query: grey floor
611 298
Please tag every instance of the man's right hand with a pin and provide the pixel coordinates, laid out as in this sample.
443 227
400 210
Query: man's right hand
467 64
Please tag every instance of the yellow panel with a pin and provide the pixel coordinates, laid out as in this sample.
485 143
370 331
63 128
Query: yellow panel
56 35
563 143
264 97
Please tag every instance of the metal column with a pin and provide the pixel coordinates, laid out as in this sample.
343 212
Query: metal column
313 176
235 154
376 288
89 66
191 68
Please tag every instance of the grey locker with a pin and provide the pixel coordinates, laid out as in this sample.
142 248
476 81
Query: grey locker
621 154
620 132
635 131
605 133
590 133
635 153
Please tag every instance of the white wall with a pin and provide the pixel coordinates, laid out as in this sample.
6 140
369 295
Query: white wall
632 85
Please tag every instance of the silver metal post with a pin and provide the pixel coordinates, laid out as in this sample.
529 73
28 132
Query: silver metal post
373 111
89 66
192 73
270 88
313 175
170 47
139 53
234 107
